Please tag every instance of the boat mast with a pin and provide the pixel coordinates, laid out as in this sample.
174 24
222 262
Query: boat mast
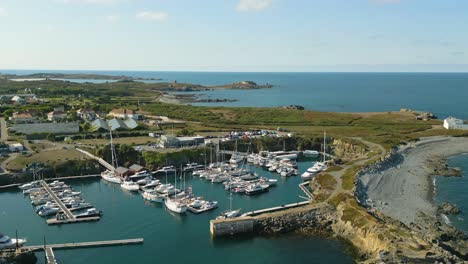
324 146
113 154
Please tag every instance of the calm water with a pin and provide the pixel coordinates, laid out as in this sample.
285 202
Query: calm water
168 237
453 190
441 93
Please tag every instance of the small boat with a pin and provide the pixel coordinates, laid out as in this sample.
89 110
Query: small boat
145 181
153 196
92 212
236 158
307 175
10 243
192 167
229 214
256 189
249 176
196 204
30 185
141 174
167 169
175 206
48 211
286 171
311 153
209 205
151 184
130 186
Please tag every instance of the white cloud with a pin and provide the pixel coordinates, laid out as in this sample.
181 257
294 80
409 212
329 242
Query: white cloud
3 12
152 16
253 5
88 1
112 18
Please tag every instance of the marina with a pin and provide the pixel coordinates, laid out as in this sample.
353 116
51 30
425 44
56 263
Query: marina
155 224
59 200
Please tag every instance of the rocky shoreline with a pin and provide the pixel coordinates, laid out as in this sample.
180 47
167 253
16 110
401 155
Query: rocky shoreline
190 99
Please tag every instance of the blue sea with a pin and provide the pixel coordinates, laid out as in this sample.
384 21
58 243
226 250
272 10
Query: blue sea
444 94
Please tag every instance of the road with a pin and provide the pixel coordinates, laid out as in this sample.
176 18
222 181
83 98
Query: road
3 130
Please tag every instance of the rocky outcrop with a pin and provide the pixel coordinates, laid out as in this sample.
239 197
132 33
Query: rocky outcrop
349 150
293 107
448 209
23 258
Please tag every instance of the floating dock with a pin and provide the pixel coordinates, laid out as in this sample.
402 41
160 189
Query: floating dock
70 218
49 249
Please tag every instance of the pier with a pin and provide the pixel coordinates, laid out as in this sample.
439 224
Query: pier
70 218
306 191
50 256
275 209
100 160
49 249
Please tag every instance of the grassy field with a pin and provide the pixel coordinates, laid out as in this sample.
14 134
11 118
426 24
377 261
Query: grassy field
48 157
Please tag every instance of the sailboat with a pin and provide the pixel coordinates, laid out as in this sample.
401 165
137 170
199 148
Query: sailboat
173 204
318 166
109 175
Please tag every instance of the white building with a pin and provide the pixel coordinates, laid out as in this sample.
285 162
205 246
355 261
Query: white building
454 123
15 147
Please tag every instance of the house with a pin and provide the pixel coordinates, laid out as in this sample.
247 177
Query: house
124 113
18 100
137 168
115 124
86 114
454 123
123 172
99 124
167 141
56 115
15 147
22 117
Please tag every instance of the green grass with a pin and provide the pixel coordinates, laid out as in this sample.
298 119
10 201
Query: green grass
347 179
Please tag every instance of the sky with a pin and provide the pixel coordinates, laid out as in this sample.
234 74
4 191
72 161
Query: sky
235 35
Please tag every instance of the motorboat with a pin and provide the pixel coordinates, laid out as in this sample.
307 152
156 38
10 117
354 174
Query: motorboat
153 196
286 171
130 186
175 206
311 153
10 243
209 205
256 189
167 169
165 189
236 158
30 185
92 212
192 167
151 184
249 176
229 214
196 203
141 174
110 177
307 175
145 181
48 211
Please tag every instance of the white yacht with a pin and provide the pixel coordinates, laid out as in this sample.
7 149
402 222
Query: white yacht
175 206
30 185
10 243
110 177
130 186
153 196
141 174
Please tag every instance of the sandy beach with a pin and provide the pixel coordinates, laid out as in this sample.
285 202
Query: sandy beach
402 187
